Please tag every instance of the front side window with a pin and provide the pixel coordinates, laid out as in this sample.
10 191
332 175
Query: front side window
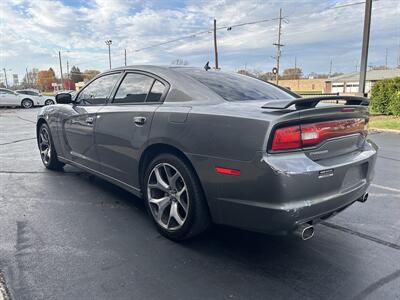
97 92
133 89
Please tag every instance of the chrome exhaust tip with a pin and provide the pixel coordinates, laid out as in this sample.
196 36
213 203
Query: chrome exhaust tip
363 198
305 231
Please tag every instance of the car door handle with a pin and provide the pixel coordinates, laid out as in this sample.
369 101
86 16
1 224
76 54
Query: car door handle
139 120
89 120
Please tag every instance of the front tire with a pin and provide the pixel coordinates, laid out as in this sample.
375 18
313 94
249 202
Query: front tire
174 198
47 150
27 103
48 102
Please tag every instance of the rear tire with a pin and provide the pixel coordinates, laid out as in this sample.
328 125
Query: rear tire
47 150
172 188
27 103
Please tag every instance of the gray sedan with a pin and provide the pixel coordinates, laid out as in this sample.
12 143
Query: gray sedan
203 147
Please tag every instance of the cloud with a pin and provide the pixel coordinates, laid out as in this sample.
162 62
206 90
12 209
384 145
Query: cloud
32 33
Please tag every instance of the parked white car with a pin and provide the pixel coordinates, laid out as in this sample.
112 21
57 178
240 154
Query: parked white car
35 98
10 98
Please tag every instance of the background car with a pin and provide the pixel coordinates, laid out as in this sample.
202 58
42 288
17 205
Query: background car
208 146
35 98
10 98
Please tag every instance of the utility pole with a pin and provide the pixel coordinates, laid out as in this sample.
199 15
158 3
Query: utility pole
365 44
68 69
27 76
5 77
215 46
386 59
125 57
295 68
330 68
108 43
62 79
278 47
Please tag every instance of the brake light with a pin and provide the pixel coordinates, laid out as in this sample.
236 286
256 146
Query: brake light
287 138
307 135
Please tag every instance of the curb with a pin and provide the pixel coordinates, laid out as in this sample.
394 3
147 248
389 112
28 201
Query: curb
378 130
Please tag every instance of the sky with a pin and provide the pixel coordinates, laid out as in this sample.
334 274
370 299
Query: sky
314 32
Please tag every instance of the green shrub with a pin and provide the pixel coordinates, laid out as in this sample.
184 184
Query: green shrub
385 96
394 106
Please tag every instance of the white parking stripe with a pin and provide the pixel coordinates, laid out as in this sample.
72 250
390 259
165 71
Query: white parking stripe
385 188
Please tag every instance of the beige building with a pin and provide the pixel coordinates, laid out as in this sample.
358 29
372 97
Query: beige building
348 83
304 85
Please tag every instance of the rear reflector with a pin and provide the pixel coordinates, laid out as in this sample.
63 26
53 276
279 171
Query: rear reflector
307 135
227 171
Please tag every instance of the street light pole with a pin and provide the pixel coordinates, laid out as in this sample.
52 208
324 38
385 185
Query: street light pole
5 77
215 46
61 72
364 52
108 43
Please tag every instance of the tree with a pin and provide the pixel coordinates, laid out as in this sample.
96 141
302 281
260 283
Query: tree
90 74
245 72
45 79
76 74
30 79
179 62
267 76
292 73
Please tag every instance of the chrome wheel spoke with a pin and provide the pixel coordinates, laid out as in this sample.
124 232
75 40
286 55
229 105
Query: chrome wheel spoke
160 181
174 214
180 199
162 204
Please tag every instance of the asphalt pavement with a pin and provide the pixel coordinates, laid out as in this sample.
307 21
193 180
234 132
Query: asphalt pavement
71 235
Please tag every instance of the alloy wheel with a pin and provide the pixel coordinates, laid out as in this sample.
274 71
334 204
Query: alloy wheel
27 103
44 145
48 102
168 196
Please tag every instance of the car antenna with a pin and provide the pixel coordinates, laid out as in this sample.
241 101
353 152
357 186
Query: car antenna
207 67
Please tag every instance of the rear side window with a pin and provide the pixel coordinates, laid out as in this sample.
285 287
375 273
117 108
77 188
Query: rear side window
156 92
235 87
139 88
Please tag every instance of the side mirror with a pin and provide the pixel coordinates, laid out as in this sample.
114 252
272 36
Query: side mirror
64 98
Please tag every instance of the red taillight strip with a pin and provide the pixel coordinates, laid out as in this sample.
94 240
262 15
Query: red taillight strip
227 171
307 135
313 134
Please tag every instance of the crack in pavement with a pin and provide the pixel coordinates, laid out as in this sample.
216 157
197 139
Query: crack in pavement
30 121
17 141
376 285
386 157
362 235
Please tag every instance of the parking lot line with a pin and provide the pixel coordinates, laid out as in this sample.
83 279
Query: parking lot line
385 188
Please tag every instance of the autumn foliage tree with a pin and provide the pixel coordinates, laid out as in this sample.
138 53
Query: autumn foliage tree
90 74
45 79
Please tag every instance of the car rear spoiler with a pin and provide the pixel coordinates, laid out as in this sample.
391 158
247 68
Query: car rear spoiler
310 102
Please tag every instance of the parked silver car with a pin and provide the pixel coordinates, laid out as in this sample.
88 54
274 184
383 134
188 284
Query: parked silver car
207 146
10 98
35 98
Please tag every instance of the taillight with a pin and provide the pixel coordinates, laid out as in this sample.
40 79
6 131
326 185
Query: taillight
307 135
287 138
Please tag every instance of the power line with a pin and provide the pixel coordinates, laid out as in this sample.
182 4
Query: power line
198 33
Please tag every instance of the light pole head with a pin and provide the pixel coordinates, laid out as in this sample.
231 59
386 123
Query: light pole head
108 42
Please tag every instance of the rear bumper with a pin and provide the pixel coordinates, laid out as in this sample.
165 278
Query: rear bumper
277 193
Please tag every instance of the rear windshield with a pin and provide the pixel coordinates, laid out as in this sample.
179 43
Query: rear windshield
235 87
